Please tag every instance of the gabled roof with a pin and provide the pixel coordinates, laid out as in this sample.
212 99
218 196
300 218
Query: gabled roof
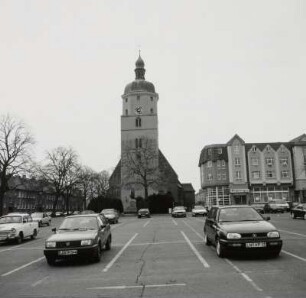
235 137
165 165
262 146
299 139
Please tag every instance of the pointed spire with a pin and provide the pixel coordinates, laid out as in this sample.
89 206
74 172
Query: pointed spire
140 70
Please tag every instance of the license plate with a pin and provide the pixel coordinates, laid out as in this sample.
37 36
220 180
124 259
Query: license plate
67 252
256 244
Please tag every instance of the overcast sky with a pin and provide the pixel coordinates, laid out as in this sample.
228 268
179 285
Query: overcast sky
220 67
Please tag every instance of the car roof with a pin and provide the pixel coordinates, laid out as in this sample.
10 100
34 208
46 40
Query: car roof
83 215
233 206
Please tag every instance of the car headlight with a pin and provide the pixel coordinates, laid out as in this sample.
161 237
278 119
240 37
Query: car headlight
233 236
273 234
50 244
86 242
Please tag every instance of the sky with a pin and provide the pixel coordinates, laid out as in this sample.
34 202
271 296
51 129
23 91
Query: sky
220 67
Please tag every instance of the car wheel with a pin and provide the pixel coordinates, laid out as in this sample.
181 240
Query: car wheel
34 234
97 254
206 240
19 239
51 261
220 249
108 243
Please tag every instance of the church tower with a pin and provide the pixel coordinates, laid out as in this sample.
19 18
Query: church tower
139 124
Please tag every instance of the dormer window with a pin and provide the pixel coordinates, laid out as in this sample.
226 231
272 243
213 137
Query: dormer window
254 149
268 148
219 150
236 149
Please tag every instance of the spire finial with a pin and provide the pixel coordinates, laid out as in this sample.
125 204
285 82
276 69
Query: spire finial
140 70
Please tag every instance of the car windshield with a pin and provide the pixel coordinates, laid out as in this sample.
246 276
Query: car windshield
144 210
37 214
238 214
10 219
108 211
179 208
198 207
79 223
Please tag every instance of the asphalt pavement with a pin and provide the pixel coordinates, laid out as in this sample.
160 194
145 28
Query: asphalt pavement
158 257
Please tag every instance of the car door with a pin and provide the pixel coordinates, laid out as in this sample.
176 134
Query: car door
26 226
210 222
104 228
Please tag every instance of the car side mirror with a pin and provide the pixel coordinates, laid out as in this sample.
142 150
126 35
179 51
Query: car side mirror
54 230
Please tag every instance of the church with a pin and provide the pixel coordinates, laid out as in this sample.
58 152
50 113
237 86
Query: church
143 169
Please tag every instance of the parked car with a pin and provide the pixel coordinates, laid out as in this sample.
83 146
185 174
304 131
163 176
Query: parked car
144 212
199 210
111 214
240 229
179 211
42 218
274 207
87 212
79 236
16 227
259 208
299 211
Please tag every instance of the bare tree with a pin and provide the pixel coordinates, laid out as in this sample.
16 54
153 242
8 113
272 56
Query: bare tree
86 184
58 167
15 144
102 183
141 165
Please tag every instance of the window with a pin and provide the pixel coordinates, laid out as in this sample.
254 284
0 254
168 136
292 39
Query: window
284 162
283 149
126 100
236 149
254 161
218 163
151 98
237 161
138 143
254 149
209 151
152 111
219 176
126 112
238 175
268 148
138 122
209 164
219 150
209 177
223 164
223 176
256 175
269 161
285 174
269 174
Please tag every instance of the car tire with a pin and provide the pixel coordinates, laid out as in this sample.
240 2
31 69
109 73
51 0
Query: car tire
108 243
97 253
206 240
34 235
19 239
51 261
220 249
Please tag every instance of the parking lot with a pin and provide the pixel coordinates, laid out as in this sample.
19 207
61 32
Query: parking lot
158 257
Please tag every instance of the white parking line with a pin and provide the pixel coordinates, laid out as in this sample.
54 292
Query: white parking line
302 235
111 263
157 243
23 266
39 281
293 255
190 227
205 264
146 223
245 276
174 222
136 287
11 248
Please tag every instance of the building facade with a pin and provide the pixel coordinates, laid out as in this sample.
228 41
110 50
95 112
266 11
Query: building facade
248 173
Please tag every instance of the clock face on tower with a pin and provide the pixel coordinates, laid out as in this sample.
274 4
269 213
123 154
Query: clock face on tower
138 110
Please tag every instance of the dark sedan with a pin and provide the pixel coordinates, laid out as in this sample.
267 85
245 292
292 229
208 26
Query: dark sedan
240 229
79 236
299 211
144 212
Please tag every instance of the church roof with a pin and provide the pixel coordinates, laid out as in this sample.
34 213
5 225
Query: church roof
139 84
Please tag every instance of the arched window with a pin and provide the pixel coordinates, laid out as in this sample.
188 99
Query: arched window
138 143
138 122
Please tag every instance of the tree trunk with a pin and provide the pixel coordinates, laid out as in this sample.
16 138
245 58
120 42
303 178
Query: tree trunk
55 204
